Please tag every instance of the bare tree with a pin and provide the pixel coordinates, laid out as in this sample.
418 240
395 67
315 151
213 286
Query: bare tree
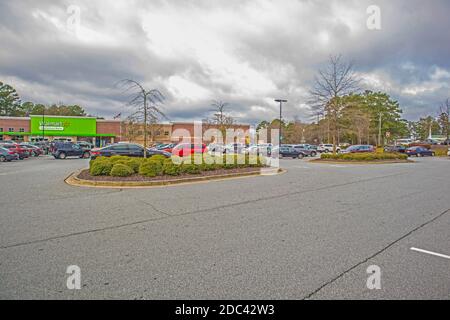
146 107
337 80
220 118
444 118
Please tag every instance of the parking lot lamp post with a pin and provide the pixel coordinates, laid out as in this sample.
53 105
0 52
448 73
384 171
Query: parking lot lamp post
379 131
43 123
281 117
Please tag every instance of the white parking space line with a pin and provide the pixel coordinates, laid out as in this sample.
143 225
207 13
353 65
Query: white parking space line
430 252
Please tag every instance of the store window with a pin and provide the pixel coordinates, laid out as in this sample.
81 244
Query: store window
21 130
11 129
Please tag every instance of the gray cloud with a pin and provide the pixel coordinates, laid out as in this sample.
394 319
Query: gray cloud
244 52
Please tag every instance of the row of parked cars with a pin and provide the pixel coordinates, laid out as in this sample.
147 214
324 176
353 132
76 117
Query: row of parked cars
11 150
418 151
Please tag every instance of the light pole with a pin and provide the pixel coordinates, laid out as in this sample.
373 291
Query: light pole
281 108
43 123
379 130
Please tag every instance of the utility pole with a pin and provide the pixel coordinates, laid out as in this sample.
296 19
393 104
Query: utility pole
379 131
145 124
281 101
43 123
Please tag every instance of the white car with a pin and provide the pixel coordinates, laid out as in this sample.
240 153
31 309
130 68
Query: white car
325 148
448 152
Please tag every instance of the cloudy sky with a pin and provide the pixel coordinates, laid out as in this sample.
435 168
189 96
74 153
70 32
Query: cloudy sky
244 52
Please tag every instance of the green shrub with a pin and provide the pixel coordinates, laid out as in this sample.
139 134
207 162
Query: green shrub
159 165
150 168
134 163
115 159
100 167
158 158
190 168
440 151
365 156
121 170
171 168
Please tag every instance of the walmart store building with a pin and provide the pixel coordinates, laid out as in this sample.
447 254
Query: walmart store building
49 128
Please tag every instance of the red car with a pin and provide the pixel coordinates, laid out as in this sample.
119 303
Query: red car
32 149
186 149
17 148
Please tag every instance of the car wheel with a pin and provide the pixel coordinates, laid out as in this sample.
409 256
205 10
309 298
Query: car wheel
2 159
62 156
300 156
313 154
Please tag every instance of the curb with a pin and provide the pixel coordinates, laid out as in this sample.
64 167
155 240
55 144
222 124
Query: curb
360 162
74 180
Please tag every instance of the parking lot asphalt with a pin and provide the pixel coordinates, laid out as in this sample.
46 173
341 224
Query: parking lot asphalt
310 233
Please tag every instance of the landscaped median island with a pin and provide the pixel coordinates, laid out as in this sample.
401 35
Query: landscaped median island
364 158
158 170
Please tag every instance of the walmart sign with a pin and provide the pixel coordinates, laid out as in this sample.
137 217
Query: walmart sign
63 126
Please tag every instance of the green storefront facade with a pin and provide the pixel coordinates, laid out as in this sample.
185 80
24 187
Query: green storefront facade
49 128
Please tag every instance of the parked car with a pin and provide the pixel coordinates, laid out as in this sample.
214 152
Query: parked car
35 151
420 144
186 149
62 150
398 149
214 148
448 152
306 150
44 146
446 142
258 149
85 145
236 148
419 152
433 142
21 152
126 149
290 152
359 149
7 155
166 147
325 148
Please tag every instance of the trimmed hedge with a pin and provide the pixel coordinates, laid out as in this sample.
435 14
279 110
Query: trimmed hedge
365 156
100 167
159 165
121 170
171 169
151 168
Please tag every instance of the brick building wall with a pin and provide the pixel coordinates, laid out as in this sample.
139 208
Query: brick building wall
163 133
14 124
110 127
189 127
